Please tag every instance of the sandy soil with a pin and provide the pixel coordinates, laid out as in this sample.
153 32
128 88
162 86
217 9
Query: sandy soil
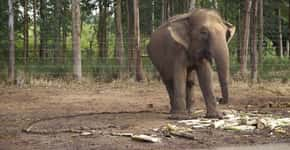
58 112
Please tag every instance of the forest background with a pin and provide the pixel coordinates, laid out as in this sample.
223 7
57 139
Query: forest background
106 39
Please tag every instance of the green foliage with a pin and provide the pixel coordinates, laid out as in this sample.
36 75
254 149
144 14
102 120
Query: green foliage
269 49
87 35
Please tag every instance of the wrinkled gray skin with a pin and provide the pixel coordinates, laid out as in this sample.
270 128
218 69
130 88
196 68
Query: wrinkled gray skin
186 44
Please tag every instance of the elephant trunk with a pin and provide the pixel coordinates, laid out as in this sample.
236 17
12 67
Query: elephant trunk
221 57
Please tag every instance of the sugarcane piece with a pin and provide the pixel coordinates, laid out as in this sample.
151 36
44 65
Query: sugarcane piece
219 124
122 134
283 121
146 138
280 130
240 128
171 127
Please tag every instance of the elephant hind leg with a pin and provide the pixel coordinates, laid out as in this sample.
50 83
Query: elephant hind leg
170 91
169 84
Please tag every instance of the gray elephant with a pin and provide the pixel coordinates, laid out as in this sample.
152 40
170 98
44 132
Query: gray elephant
188 43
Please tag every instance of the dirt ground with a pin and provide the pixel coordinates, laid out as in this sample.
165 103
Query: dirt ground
57 111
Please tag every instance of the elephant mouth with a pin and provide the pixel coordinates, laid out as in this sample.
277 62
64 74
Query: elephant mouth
207 55
203 54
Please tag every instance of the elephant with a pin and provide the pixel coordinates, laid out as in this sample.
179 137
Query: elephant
184 47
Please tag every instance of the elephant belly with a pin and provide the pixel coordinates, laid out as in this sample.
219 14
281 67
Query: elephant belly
164 67
162 51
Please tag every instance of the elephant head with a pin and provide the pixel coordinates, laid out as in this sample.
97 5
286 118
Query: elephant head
204 34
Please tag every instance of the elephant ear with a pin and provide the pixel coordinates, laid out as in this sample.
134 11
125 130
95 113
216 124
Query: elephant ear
177 27
231 29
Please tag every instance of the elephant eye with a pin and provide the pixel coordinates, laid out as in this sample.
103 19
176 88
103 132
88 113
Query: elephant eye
228 34
203 32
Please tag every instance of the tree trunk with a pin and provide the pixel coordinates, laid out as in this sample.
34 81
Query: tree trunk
287 48
25 33
153 16
165 8
170 8
214 4
43 40
261 31
288 28
130 23
34 27
100 28
254 56
239 35
192 4
57 50
224 9
64 35
11 63
119 37
91 41
139 68
76 17
64 42
245 43
102 32
280 33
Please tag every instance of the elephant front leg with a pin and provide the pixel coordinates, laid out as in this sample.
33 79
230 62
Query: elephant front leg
178 105
204 74
189 96
190 91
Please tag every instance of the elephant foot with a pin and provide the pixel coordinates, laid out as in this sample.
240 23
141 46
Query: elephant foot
179 115
222 101
214 114
189 111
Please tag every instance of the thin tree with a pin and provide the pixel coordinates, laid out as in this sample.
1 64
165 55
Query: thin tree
214 4
130 43
139 68
43 53
58 18
239 33
287 49
153 16
25 31
261 31
119 36
280 32
225 8
90 52
102 31
76 17
192 4
34 26
11 59
165 10
288 41
170 8
254 54
245 42
64 32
